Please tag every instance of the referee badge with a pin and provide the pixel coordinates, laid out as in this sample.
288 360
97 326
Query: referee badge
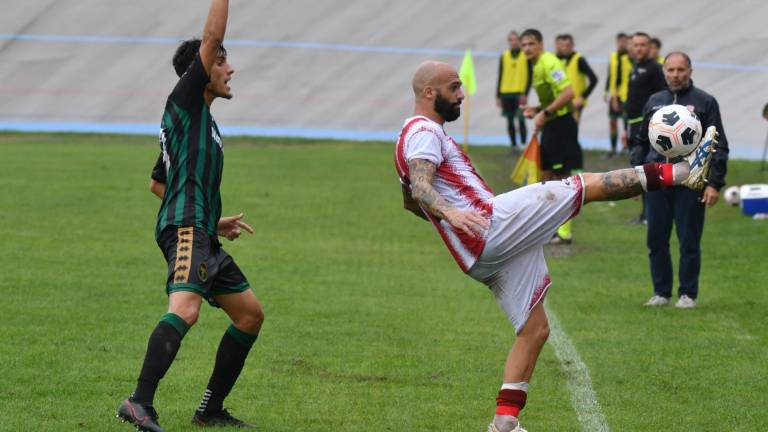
202 272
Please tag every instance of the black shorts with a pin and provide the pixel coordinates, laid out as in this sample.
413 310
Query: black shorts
560 149
614 114
197 263
510 104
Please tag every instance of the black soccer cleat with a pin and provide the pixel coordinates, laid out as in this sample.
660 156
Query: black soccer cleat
142 416
221 418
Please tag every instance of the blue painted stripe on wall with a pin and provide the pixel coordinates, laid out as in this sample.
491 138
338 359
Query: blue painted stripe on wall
754 153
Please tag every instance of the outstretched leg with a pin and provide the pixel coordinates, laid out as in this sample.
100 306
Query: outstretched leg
629 182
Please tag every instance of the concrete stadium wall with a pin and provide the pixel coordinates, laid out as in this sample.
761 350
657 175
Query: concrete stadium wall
342 68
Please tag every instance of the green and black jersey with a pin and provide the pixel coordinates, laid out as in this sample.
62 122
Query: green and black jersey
192 153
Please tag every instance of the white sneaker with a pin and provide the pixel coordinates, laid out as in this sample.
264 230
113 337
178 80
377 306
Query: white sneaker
505 424
685 302
657 300
699 160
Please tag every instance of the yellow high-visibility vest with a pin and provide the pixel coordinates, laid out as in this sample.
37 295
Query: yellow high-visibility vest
624 64
514 72
577 78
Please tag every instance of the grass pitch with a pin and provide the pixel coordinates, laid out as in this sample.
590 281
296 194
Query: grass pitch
369 323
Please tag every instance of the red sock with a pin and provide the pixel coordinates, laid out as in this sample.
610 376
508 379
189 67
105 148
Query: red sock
657 176
510 402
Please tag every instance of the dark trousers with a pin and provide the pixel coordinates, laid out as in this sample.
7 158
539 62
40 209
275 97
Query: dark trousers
681 206
510 108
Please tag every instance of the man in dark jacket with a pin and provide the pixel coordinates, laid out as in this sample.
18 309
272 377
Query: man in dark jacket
682 206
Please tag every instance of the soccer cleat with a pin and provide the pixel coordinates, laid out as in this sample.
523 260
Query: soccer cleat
504 423
221 418
699 160
142 416
685 302
657 300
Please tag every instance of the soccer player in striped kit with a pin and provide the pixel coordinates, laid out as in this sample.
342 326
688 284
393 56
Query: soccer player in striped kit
498 240
188 225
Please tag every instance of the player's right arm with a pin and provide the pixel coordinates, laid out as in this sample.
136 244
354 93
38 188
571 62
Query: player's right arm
213 33
421 173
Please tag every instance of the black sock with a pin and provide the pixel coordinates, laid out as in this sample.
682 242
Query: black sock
230 358
162 347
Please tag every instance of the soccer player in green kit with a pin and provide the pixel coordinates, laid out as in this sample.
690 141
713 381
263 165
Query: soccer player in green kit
188 223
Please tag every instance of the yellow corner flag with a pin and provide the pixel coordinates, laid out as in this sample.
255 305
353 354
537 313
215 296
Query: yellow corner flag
467 73
528 168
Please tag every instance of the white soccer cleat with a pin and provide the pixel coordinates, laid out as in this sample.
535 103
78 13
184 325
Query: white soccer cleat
505 424
685 302
699 160
657 300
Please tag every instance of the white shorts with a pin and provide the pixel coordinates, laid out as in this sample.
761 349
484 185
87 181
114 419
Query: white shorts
512 264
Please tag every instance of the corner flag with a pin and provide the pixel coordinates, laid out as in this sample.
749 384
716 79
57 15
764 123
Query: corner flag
467 73
528 168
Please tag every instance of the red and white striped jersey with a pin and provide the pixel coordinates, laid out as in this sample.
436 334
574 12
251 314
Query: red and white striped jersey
455 179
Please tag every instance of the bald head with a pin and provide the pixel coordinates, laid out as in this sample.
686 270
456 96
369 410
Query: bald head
432 74
437 91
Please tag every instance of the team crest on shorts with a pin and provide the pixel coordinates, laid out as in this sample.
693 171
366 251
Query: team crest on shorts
202 272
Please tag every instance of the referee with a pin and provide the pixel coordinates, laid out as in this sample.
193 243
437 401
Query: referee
560 150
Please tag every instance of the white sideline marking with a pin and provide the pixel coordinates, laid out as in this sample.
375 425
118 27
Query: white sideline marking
583 398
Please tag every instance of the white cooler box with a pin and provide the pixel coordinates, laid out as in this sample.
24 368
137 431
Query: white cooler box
754 199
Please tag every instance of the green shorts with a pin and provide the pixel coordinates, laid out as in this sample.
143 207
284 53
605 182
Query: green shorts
197 263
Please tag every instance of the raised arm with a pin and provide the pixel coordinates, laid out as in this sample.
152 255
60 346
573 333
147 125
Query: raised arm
213 33
421 174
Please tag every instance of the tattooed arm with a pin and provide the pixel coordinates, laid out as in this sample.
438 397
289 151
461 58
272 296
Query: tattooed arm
411 205
421 174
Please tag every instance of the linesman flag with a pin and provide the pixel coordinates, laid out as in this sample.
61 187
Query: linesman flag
467 73
528 168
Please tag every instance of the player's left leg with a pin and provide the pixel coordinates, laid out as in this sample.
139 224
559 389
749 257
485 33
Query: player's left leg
233 294
626 183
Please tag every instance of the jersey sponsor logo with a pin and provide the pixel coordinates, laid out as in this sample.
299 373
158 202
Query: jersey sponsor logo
216 137
557 75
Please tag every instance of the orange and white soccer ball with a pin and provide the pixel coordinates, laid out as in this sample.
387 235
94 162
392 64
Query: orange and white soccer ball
674 131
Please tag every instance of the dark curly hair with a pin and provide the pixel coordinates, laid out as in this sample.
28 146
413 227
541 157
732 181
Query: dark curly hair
186 53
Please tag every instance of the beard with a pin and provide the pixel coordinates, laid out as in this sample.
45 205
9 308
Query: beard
448 111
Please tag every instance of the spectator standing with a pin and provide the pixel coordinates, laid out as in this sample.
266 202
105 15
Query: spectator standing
681 206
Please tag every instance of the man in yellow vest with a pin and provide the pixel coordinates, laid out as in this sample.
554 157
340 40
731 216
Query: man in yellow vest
560 149
513 86
582 77
616 87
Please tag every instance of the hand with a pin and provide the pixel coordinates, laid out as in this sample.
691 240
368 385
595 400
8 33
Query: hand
538 121
470 222
578 102
523 100
529 111
498 102
710 197
231 227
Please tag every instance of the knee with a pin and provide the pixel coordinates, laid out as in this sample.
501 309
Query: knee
536 333
252 321
542 332
189 313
